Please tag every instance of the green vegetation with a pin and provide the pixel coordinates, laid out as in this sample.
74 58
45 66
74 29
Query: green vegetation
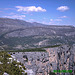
29 50
51 46
34 49
30 41
10 67
14 41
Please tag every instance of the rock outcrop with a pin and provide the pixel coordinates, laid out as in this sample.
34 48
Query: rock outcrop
58 58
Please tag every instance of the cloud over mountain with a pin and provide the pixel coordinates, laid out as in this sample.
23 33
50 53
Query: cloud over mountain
16 16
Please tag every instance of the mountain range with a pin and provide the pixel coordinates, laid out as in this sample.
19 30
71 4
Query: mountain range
19 34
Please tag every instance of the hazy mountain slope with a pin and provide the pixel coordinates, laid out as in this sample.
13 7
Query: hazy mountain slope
20 34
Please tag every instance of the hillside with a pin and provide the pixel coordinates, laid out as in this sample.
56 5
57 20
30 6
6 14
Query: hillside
19 34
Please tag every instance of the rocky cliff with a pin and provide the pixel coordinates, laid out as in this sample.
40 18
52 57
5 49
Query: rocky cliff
58 58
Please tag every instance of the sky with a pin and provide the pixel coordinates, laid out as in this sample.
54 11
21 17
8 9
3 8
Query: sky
50 12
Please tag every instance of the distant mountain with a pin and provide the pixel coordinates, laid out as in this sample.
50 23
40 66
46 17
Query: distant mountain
19 34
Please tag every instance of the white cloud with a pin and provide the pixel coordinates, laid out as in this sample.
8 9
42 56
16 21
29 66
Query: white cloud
63 17
30 9
63 8
51 19
58 19
16 16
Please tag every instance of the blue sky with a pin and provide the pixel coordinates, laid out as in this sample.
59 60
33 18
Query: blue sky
51 12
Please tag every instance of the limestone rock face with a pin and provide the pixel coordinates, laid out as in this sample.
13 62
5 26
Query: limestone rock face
65 59
57 58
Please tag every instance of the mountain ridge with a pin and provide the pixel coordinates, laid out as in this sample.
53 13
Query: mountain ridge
25 34
34 23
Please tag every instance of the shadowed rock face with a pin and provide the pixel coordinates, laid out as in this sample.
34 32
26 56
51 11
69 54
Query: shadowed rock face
58 58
